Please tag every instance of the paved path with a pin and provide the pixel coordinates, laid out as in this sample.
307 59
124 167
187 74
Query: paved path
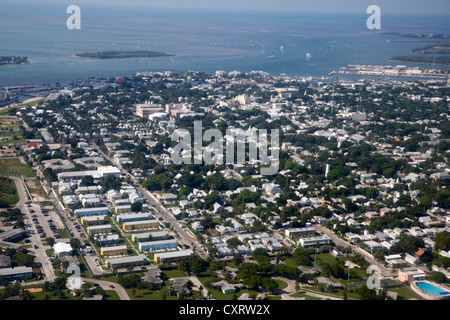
197 283
123 295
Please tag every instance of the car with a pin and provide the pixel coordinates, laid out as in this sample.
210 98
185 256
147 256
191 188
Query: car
111 286
35 246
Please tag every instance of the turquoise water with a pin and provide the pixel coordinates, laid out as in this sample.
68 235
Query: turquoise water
431 289
202 40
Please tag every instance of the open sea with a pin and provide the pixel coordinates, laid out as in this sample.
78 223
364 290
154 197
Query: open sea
202 40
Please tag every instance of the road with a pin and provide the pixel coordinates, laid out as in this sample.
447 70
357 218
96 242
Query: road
385 272
162 212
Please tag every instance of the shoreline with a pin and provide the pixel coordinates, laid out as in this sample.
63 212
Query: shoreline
404 61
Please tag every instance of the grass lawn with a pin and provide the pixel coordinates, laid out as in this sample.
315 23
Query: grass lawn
281 284
8 191
13 166
63 233
300 295
405 293
174 273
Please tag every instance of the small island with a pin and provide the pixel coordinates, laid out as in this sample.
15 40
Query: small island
13 60
122 54
444 60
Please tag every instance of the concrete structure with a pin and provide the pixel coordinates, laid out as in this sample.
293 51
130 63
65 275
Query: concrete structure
167 257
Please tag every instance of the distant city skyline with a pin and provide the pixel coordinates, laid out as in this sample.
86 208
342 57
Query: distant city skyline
407 7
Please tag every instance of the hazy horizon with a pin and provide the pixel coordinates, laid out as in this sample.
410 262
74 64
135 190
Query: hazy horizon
398 7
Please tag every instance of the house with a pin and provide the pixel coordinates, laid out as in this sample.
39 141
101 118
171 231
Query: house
153 275
225 286
411 259
197 226
167 197
181 285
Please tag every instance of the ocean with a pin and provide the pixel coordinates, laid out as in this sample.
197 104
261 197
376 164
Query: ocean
294 43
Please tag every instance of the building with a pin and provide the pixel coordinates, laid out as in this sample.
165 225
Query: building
62 249
150 236
92 220
146 109
104 240
134 217
113 251
153 275
125 262
300 232
314 240
98 211
37 143
17 273
166 257
409 275
122 209
197 227
158 245
104 228
140 225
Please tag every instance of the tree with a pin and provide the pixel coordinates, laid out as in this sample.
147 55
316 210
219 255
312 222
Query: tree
238 259
50 241
301 256
442 241
136 207
130 281
365 293
87 181
269 284
438 277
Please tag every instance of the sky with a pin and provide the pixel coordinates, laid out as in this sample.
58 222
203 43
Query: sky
407 7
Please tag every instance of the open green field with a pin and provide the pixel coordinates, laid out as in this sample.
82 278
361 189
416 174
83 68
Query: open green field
8 192
12 166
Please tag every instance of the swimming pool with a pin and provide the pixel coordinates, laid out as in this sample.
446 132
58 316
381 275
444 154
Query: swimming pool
431 289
